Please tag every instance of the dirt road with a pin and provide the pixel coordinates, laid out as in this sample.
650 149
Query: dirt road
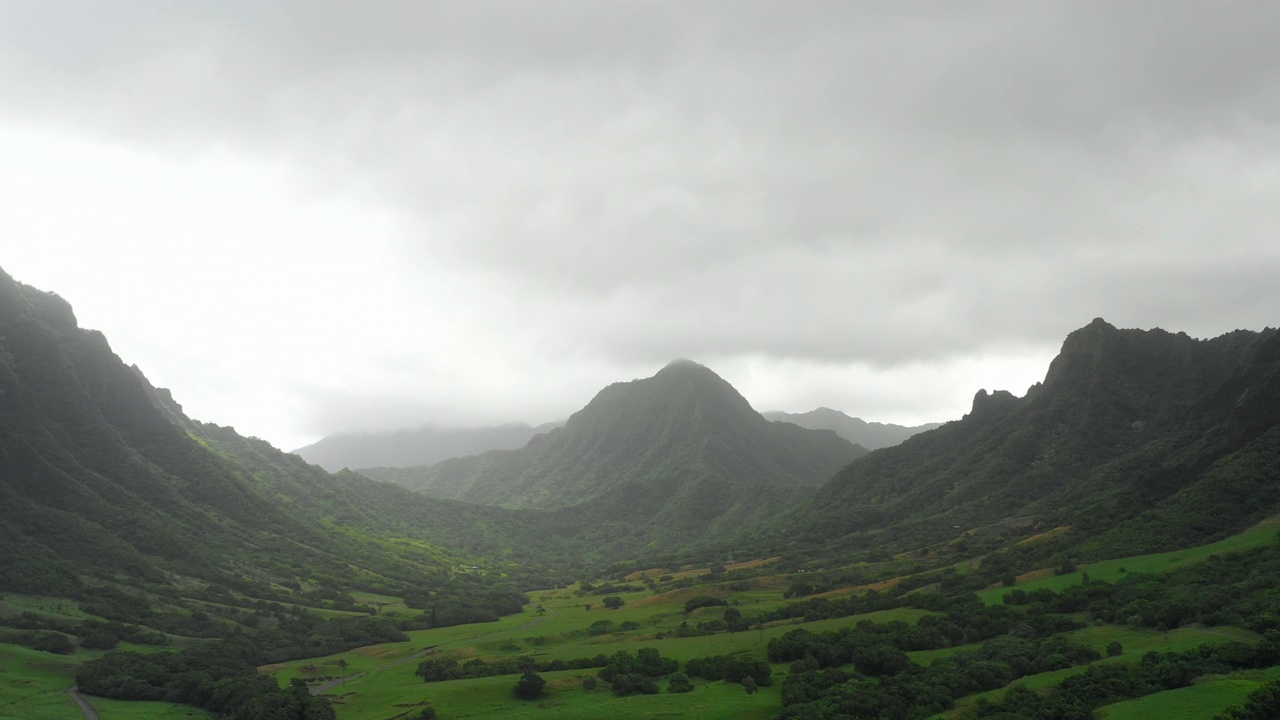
85 707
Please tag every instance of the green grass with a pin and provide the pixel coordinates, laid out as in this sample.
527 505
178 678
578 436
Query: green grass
124 710
491 699
1207 698
33 685
387 690
11 604
1264 533
1136 642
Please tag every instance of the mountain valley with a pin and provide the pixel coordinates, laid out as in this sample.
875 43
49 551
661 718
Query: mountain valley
1107 540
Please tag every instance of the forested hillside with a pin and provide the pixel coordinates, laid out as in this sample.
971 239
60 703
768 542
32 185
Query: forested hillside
1135 441
102 478
678 457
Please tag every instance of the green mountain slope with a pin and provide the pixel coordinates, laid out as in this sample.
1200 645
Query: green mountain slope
685 431
870 435
103 479
1137 440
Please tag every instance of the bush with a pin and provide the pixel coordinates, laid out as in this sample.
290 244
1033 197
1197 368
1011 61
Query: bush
99 641
680 683
531 686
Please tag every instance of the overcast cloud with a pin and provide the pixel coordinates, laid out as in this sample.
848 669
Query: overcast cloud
311 217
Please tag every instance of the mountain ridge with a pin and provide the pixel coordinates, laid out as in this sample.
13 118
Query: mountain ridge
1130 429
425 445
871 435
684 422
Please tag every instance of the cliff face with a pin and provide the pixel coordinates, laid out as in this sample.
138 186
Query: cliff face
1127 423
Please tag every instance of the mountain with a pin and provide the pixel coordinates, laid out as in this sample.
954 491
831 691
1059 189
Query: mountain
419 446
870 435
1135 441
682 449
103 479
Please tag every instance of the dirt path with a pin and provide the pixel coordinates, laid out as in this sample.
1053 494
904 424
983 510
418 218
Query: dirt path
331 684
85 707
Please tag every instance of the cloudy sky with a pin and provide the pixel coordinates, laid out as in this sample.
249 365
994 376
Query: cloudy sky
310 217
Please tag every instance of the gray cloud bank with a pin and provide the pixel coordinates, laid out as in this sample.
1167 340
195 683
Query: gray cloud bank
823 182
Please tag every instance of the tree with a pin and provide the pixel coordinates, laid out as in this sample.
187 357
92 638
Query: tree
613 602
680 683
531 686
749 684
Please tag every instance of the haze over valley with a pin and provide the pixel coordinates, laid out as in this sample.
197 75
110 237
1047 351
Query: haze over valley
580 360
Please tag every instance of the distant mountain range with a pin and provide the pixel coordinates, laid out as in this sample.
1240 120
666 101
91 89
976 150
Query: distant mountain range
680 449
429 445
418 446
1135 441
870 435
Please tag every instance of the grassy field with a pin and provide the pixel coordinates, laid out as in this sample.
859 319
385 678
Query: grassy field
1136 642
492 699
122 710
1264 533
1208 697
380 683
33 685
386 686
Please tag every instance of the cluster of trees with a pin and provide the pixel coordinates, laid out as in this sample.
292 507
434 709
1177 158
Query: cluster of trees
627 673
1262 704
734 668
220 677
1241 589
51 633
1076 697
1024 637
884 683
439 670
464 604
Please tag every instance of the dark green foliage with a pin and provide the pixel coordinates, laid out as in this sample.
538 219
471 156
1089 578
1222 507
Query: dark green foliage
1262 704
703 601
679 683
531 686
220 677
50 642
448 669
613 602
1238 589
1079 695
628 674
108 492
99 641
730 667
654 463
1137 440
625 684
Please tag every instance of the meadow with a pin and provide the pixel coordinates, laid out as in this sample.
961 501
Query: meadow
378 682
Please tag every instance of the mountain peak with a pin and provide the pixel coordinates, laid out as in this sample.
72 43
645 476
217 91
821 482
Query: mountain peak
682 364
